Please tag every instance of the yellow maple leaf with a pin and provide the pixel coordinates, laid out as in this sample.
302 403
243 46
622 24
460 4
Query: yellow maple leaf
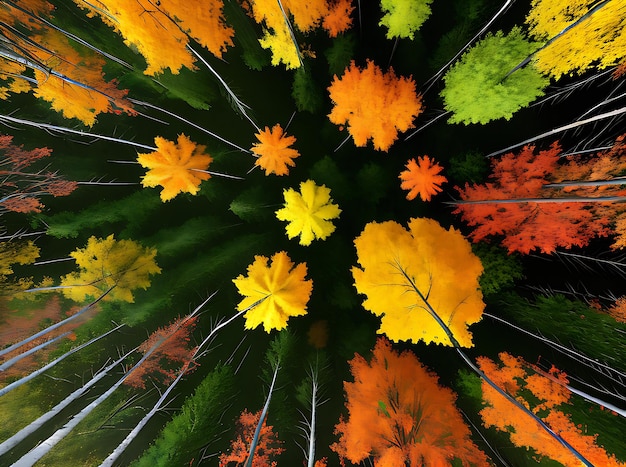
273 293
308 212
123 265
275 155
422 178
177 167
404 271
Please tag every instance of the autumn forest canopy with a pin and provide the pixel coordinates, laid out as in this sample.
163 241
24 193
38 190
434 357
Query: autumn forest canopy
322 233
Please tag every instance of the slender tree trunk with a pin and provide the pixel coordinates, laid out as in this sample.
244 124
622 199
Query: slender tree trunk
28 430
54 326
197 353
257 432
560 129
12 361
28 459
442 70
45 368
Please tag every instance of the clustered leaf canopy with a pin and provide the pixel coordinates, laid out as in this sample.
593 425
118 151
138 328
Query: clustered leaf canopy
478 87
274 292
309 212
397 265
400 415
422 178
177 167
124 265
373 104
404 17
274 151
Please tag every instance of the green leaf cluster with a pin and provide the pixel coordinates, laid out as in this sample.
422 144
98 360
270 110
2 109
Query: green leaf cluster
478 88
196 425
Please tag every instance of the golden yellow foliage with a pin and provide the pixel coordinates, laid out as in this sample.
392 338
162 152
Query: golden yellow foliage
10 82
273 293
280 42
398 267
203 21
422 178
274 151
159 30
11 253
374 104
15 252
177 167
599 40
123 265
399 415
308 212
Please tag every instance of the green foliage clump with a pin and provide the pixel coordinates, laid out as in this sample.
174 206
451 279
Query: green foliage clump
478 88
340 53
469 167
198 422
132 210
404 17
595 334
252 205
501 269
306 93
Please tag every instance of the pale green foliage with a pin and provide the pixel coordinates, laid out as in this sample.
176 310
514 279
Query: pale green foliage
403 17
477 88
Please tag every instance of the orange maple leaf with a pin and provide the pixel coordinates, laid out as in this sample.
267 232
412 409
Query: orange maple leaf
421 178
177 167
274 151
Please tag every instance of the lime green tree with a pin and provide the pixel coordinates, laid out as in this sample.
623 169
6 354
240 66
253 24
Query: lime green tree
479 87
404 17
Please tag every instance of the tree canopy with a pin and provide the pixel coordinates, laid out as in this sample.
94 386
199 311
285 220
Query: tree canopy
399 415
400 270
478 87
373 104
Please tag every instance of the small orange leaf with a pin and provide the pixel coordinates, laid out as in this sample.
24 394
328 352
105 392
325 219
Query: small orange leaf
421 178
177 167
274 151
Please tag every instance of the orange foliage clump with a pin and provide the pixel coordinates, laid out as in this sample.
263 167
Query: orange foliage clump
399 415
274 151
178 167
547 392
374 105
82 93
22 186
618 309
160 30
422 178
267 448
337 19
530 224
172 355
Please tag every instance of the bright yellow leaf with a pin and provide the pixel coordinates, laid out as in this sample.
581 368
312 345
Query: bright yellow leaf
278 290
177 167
274 151
308 212
399 267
